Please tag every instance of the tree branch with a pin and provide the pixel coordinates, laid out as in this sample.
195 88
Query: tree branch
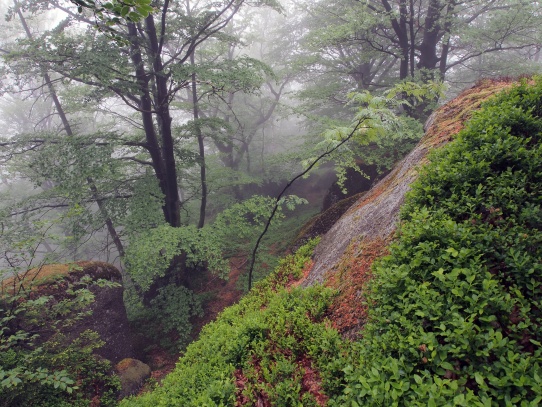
288 185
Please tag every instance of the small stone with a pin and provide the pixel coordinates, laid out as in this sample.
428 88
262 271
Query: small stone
132 374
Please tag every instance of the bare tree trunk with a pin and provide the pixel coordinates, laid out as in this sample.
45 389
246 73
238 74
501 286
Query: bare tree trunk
201 146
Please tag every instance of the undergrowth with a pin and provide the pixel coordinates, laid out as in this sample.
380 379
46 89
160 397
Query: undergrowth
455 310
43 363
262 350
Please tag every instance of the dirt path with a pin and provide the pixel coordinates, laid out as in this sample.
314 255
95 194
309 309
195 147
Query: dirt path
223 293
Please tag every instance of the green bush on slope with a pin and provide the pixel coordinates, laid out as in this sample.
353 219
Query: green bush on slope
455 310
260 348
457 306
42 363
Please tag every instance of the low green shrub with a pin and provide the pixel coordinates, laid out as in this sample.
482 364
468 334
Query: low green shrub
260 348
167 318
456 309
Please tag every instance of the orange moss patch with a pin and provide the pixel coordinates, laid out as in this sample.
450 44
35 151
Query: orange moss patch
44 275
450 118
306 271
125 364
348 312
311 382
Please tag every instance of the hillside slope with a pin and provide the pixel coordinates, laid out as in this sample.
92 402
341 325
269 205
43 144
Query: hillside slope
450 317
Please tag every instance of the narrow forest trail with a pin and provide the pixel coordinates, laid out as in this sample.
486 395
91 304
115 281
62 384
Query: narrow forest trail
221 294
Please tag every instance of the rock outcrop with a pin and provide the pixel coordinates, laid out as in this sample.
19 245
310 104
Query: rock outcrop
346 252
106 314
375 214
133 374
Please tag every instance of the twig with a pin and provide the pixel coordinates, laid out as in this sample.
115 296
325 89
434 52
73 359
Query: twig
288 185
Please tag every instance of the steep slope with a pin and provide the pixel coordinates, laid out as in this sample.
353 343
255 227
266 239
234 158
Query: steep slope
451 317
345 254
375 214
455 315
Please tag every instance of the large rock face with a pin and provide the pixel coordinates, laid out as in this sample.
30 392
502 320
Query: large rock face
106 315
346 252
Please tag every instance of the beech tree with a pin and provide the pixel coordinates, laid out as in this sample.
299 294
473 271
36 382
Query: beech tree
437 35
377 42
144 64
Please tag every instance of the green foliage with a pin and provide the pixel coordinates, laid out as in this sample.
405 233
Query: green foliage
231 75
144 209
151 252
456 308
167 318
240 224
379 134
38 364
115 11
263 339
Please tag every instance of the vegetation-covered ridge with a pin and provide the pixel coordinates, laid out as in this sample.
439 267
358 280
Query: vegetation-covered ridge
50 273
453 313
372 220
56 347
455 316
344 257
274 348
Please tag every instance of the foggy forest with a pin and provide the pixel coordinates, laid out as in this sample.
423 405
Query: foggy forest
180 149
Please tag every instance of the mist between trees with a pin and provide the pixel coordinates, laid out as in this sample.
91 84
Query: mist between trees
155 135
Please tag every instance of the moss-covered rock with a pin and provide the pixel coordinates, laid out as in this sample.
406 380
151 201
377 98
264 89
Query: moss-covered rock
105 315
61 325
132 373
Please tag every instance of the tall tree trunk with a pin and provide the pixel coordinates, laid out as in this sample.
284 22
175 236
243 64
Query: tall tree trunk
443 62
171 207
172 201
160 144
406 45
431 36
412 35
400 29
201 146
428 63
